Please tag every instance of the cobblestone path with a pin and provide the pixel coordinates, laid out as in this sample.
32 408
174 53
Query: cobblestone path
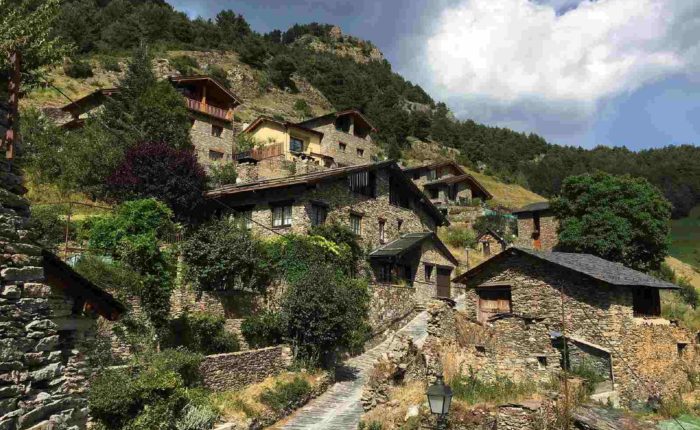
340 408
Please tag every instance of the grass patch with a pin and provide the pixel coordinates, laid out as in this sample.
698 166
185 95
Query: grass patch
284 395
685 238
473 390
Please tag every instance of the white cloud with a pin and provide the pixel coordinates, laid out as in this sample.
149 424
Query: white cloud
518 54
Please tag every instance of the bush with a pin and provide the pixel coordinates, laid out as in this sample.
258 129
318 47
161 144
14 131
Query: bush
588 373
688 292
281 69
343 236
47 226
219 75
203 333
473 390
218 256
184 64
110 276
303 108
263 330
285 395
159 391
78 69
110 64
497 222
222 174
459 237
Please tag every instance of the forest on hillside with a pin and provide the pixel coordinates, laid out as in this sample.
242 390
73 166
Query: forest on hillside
118 26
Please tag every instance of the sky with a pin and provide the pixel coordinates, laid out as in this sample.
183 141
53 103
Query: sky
578 72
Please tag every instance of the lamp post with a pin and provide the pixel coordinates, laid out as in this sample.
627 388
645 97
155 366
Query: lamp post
439 399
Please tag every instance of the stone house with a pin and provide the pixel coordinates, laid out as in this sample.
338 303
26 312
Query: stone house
211 108
346 137
491 243
447 184
528 313
386 210
537 227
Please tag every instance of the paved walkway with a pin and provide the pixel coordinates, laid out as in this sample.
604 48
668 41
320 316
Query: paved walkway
340 408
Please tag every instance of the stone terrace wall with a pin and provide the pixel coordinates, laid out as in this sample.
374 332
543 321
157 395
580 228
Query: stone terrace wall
235 370
390 304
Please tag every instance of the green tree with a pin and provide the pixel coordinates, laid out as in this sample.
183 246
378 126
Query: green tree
619 218
221 256
322 312
26 26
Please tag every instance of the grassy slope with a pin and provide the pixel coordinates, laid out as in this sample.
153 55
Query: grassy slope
685 238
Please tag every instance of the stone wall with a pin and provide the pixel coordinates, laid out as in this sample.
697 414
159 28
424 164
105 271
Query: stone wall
276 167
235 370
598 314
204 141
42 367
548 231
389 304
332 137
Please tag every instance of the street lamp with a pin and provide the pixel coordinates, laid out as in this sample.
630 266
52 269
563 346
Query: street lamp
439 399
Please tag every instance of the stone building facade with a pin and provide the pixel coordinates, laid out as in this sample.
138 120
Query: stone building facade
606 315
537 227
47 321
491 243
447 184
211 108
377 202
346 137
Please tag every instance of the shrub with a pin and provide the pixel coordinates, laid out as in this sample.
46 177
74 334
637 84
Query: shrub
218 256
157 170
459 237
78 69
184 64
203 333
110 64
588 373
47 225
219 74
303 108
341 235
473 390
373 425
285 395
222 174
263 330
688 292
111 276
497 222
280 70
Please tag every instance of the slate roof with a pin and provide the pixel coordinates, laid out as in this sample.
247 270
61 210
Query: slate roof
449 180
230 191
492 233
354 112
586 264
436 165
408 242
533 207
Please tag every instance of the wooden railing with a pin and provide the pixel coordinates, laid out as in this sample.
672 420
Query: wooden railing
261 153
209 110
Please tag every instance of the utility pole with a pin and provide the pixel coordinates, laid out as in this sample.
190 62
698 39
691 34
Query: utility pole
10 139
566 359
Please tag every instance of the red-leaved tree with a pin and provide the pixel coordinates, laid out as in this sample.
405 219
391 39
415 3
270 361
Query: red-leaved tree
157 170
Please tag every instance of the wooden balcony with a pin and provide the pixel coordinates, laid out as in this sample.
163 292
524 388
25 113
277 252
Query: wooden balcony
223 114
257 154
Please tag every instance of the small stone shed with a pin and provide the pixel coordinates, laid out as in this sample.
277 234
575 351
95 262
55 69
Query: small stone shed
607 315
491 243
537 227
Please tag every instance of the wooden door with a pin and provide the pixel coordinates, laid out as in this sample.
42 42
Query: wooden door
443 282
493 301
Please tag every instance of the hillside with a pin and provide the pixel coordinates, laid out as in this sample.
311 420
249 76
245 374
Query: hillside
685 238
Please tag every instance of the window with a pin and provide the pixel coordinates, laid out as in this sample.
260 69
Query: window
282 216
646 302
296 144
363 183
356 224
434 193
399 224
360 152
216 155
382 231
343 123
216 130
681 348
405 273
342 147
416 175
397 196
432 175
541 362
493 301
428 272
318 214
384 274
